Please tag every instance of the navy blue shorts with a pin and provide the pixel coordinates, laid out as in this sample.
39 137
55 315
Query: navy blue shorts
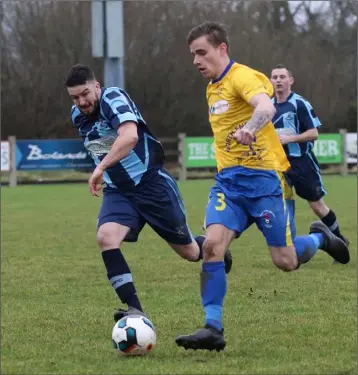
157 202
305 177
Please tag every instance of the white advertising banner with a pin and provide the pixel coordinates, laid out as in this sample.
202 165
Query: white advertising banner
5 156
351 147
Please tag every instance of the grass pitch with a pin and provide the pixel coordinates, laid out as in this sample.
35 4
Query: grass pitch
57 303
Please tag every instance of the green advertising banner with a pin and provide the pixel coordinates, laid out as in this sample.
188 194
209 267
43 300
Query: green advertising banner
328 149
199 151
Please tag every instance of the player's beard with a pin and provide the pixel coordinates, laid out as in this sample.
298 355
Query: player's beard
95 106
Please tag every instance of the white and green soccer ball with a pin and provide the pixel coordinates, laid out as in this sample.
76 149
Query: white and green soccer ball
134 335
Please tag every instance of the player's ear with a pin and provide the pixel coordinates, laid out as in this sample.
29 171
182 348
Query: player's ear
98 85
292 80
223 48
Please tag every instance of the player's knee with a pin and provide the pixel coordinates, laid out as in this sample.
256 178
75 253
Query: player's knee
286 263
213 248
106 239
189 252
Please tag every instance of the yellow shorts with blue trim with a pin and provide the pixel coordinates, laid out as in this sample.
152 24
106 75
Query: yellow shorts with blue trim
242 196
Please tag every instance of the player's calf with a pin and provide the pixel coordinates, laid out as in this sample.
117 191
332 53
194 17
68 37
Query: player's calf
285 258
194 251
214 250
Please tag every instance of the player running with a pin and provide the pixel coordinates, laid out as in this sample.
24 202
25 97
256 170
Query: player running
137 189
250 182
296 123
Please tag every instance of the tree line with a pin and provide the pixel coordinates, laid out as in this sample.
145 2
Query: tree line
41 40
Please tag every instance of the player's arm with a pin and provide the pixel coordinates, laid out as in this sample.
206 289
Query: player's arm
308 121
263 113
307 136
125 142
256 92
117 109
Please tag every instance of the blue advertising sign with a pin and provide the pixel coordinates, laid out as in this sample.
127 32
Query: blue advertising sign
51 154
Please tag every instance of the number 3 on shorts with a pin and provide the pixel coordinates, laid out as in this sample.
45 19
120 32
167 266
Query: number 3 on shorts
221 200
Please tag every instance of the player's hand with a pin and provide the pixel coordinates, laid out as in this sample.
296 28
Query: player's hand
95 181
285 139
244 137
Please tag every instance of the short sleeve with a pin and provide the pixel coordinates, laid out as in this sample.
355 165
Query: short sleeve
248 83
116 108
306 116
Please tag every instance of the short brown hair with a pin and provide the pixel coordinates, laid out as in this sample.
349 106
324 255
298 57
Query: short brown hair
79 74
216 33
281 66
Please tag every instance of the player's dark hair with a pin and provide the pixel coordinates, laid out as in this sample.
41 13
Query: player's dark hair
78 75
215 32
281 66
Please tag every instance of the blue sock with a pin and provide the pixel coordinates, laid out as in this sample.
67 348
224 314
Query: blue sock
307 246
213 290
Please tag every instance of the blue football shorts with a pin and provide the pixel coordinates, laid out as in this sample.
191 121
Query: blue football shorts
242 196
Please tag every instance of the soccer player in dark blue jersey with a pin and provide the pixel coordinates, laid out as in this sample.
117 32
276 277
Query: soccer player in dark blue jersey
137 189
296 124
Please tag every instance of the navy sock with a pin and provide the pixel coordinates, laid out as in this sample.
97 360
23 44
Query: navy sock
330 220
307 246
200 241
119 275
213 290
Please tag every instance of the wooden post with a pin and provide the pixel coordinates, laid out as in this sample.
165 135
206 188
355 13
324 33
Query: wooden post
12 173
182 164
343 166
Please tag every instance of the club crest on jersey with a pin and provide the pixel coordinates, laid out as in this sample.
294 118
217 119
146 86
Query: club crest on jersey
289 116
268 216
219 107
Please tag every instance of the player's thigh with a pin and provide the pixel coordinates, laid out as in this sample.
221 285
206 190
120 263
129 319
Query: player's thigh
221 210
163 209
306 178
272 217
118 220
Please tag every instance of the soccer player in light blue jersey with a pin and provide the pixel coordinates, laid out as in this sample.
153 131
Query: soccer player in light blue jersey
137 189
297 126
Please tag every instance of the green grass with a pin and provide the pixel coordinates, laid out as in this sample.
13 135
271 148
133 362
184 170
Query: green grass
57 303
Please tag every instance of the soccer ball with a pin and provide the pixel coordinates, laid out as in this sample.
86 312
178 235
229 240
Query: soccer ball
134 335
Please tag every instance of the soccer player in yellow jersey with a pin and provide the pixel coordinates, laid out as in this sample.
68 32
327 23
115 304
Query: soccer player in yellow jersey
250 185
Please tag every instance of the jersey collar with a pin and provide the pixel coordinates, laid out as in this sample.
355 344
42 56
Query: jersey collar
223 74
287 99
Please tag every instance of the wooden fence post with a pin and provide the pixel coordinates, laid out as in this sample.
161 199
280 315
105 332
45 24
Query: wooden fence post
343 166
182 163
12 152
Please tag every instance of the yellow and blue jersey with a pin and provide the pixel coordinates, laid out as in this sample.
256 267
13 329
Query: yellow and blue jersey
250 186
229 109
99 131
297 116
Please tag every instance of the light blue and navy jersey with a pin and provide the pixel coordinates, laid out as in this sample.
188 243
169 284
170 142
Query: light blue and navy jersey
99 131
296 115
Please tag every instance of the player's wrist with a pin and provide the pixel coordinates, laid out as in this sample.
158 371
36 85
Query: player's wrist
101 167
